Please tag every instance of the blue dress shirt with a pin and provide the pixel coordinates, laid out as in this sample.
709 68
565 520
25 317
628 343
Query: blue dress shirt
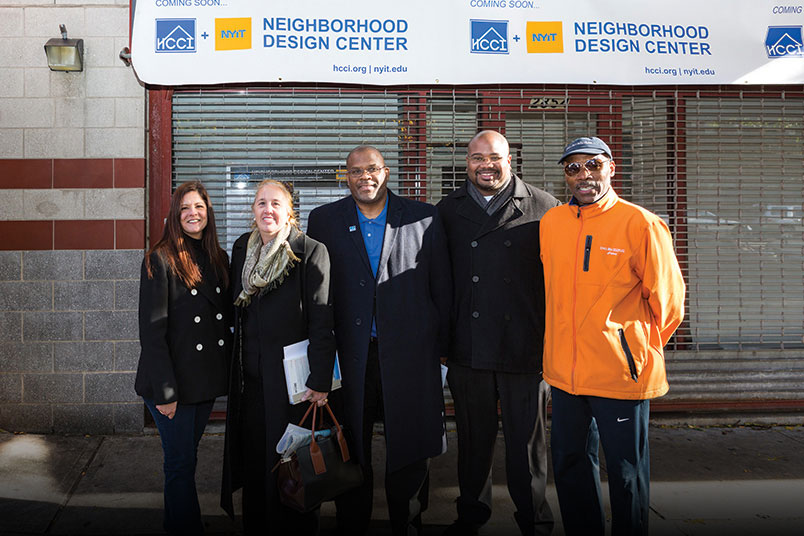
373 231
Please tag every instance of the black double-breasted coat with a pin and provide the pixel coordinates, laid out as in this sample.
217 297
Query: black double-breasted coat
185 335
410 300
497 319
299 308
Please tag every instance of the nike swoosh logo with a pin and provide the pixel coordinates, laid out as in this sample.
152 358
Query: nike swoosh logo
623 420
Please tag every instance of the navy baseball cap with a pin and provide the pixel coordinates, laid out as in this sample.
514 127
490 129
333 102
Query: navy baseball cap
586 146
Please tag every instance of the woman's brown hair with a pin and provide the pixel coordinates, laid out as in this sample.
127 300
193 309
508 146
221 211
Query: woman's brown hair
173 248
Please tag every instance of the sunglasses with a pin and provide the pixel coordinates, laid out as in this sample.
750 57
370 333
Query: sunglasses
592 165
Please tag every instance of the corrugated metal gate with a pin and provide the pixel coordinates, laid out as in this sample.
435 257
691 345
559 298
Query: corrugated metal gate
722 166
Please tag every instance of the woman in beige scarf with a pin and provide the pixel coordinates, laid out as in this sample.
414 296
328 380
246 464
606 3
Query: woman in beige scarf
280 284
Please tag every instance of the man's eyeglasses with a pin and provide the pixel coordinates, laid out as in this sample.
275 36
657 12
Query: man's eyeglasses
358 172
479 159
592 165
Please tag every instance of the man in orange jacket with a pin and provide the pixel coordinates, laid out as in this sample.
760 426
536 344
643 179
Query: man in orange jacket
614 296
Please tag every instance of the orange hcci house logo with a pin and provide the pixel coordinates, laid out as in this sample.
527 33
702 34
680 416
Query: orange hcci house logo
544 37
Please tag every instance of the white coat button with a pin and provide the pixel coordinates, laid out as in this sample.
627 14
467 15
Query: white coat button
473 243
199 347
475 315
193 292
219 316
197 319
220 342
218 290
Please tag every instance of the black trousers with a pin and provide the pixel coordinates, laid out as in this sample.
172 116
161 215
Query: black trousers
406 490
580 425
523 403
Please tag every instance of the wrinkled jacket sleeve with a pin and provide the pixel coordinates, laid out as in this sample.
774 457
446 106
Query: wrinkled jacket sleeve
441 282
153 319
662 283
320 320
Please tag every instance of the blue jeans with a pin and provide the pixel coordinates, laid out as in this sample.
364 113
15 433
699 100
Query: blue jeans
180 436
580 425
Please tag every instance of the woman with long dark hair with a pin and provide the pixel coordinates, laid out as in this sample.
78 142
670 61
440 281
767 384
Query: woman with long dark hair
280 285
185 335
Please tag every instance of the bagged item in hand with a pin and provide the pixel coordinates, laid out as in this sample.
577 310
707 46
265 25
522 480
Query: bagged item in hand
295 437
318 471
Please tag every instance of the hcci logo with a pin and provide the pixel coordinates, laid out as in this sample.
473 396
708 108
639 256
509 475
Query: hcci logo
784 42
544 37
175 35
489 36
233 34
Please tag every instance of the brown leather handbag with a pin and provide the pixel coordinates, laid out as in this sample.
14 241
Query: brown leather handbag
320 471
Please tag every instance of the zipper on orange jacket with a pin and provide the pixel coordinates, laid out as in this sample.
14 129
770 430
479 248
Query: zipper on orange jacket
575 303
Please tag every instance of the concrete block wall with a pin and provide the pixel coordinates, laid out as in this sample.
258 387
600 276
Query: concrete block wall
97 113
72 221
69 346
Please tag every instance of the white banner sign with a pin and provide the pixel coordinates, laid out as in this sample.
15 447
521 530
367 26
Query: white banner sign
625 42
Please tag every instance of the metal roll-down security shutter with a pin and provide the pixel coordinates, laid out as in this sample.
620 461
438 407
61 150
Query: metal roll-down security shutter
723 167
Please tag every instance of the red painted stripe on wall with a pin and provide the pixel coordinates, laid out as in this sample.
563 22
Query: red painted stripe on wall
15 173
83 173
72 173
75 234
83 234
26 235
129 173
129 234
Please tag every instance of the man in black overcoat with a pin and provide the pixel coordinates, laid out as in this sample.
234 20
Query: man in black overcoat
496 335
391 294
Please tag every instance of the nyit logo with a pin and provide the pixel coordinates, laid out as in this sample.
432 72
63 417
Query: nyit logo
784 42
175 35
544 37
489 36
233 34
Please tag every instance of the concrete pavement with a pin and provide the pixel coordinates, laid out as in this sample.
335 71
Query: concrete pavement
705 481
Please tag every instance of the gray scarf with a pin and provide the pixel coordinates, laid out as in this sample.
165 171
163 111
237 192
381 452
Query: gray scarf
500 198
266 265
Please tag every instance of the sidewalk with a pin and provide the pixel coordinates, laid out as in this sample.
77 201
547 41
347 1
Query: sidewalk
705 481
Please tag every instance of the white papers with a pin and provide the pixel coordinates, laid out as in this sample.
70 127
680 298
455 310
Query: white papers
297 370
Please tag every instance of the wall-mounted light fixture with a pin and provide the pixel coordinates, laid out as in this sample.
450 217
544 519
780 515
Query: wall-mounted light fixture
125 56
65 54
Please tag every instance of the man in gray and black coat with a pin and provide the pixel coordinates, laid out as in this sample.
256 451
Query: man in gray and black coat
390 288
496 335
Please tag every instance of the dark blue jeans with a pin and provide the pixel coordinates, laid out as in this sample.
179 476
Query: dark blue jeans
180 436
580 425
